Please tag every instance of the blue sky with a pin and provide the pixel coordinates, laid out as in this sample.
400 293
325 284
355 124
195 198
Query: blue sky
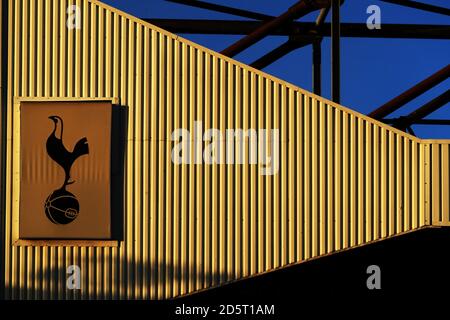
373 70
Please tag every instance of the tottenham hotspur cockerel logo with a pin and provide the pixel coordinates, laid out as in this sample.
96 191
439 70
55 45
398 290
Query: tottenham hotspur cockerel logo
61 206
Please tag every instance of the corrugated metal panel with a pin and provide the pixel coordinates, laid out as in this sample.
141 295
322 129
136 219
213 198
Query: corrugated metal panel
3 63
344 179
440 183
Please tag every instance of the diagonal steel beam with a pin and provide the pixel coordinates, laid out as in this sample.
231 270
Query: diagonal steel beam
422 112
411 93
420 6
224 9
322 16
295 42
278 53
298 10
443 122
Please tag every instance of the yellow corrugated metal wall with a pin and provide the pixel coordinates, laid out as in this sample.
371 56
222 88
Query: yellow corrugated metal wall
440 182
2 141
344 179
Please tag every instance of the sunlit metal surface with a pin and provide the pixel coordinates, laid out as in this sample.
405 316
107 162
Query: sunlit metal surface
344 179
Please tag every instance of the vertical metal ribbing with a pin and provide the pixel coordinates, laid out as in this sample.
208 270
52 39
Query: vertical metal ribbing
399 204
64 45
126 264
108 53
360 183
338 179
300 195
113 30
159 158
423 160
375 158
200 169
352 180
343 179
15 89
193 116
5 118
272 218
230 173
383 184
260 186
295 149
22 54
445 183
435 183
133 161
3 89
101 55
214 175
246 208
184 175
368 187
292 186
307 176
207 191
56 63
239 218
414 191
68 48
75 83
427 187
253 177
315 176
139 165
416 184
101 41
390 222
24 49
84 44
329 169
32 47
406 185
169 239
47 49
176 174
322 189
280 181
222 179
152 145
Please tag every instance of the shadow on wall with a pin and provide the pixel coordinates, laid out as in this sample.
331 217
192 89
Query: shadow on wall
413 265
129 281
118 153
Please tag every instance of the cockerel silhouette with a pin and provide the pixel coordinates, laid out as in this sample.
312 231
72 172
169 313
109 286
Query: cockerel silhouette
58 152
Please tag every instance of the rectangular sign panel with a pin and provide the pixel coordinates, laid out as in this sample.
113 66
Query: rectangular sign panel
65 152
